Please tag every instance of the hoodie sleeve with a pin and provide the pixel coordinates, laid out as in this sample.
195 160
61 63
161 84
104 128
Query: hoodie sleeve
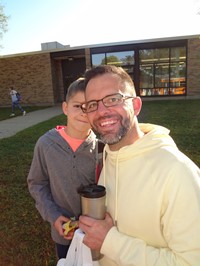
180 225
39 184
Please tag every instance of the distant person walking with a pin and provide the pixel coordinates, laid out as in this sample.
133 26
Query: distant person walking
15 101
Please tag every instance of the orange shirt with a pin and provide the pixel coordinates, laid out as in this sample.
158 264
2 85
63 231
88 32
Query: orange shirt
74 143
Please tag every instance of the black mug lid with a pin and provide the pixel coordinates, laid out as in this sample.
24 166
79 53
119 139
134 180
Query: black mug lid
92 191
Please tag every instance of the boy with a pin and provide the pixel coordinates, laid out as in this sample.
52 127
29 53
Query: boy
64 159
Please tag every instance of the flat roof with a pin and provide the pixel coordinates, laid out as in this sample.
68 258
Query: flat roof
68 47
145 41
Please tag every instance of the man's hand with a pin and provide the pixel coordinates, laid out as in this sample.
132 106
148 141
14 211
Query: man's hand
95 230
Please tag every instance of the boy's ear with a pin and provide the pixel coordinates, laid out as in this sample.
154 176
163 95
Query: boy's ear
137 105
64 108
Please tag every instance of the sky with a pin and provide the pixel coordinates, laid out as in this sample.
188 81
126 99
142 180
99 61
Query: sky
88 22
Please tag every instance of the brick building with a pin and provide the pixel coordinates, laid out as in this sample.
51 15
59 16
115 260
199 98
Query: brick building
161 68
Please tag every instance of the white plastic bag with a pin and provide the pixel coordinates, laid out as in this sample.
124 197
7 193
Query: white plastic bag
78 254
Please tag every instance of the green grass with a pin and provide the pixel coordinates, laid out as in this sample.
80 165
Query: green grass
24 236
182 118
5 111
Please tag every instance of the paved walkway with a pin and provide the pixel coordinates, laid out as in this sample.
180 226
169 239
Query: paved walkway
13 125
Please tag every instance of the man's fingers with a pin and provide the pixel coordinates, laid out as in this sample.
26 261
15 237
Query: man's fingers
86 220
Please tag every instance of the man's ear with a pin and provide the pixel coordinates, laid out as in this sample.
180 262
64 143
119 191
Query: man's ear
137 105
64 108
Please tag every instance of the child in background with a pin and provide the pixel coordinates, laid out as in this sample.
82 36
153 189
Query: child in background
15 102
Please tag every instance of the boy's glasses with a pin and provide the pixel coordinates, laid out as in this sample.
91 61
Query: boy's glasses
108 101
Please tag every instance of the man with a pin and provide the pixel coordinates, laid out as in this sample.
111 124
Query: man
153 190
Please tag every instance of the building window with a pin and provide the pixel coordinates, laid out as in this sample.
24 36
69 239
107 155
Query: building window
123 59
162 71
98 59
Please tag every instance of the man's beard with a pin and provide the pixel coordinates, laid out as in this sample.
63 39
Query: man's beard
111 138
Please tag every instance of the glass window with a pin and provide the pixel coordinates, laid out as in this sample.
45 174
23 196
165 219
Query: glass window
117 58
177 74
163 71
154 55
146 76
124 59
178 54
98 59
146 56
162 75
120 58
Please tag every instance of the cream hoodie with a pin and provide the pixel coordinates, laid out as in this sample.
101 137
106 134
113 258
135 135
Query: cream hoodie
153 194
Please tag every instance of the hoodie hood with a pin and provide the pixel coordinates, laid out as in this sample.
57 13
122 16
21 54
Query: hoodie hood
154 137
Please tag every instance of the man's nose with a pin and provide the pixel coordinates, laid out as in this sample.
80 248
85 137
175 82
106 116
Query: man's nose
101 107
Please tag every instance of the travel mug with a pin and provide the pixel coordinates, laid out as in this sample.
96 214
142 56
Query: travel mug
93 205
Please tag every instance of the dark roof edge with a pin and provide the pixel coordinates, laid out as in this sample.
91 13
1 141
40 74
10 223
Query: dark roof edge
104 44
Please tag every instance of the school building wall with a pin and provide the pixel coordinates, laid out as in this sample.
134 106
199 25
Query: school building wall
39 77
31 75
193 68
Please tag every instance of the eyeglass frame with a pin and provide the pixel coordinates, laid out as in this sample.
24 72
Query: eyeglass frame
122 99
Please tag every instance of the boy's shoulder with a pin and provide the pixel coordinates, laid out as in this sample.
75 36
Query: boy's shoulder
48 136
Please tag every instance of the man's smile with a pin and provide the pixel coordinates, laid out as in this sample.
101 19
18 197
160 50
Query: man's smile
108 122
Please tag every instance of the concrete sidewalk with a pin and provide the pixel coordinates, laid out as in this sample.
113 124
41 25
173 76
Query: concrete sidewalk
13 125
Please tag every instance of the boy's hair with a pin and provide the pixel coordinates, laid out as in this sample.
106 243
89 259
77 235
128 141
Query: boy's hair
111 69
76 86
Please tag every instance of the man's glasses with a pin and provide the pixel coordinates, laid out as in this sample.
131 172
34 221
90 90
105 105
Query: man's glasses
108 101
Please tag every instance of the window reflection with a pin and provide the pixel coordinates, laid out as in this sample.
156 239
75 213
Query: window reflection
123 59
154 55
120 58
146 76
97 59
163 71
161 74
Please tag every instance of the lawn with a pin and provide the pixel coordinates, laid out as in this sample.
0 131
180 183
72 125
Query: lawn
24 237
5 111
182 117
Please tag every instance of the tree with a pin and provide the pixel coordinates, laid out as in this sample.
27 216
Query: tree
128 60
3 22
111 59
